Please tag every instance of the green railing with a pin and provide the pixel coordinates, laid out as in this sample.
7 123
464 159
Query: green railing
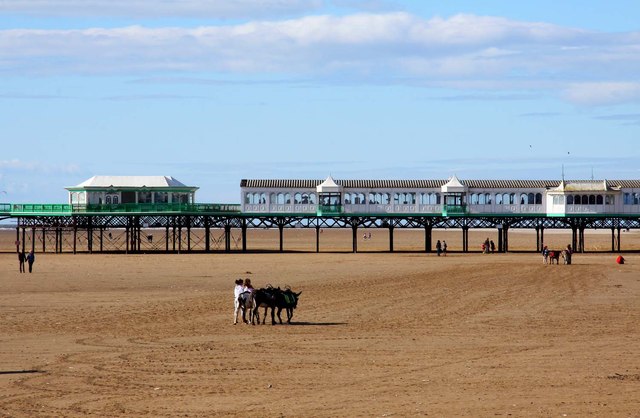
66 209
40 208
329 209
454 210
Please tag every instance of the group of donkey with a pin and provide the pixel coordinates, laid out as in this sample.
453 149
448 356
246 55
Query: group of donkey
553 257
267 297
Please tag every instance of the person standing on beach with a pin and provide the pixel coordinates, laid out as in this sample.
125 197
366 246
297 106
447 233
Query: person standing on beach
31 257
444 248
438 248
21 258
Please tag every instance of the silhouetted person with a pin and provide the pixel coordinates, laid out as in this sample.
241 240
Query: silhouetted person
21 258
31 257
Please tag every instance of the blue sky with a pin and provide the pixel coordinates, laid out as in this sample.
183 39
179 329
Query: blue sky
211 92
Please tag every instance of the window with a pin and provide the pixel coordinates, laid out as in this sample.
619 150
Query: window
498 199
570 199
108 200
488 198
599 200
297 198
592 199
539 198
115 200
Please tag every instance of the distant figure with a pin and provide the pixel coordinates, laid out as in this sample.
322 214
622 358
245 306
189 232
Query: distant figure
486 246
444 248
493 246
567 254
31 257
369 235
364 236
545 254
620 259
237 290
21 258
438 248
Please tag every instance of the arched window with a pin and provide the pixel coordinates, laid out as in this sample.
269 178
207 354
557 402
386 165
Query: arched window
531 199
438 199
347 198
636 198
523 199
297 198
474 199
570 199
115 200
538 198
372 198
592 199
107 200
312 198
487 198
482 199
305 199
512 198
505 199
599 199
498 199
280 198
585 199
386 198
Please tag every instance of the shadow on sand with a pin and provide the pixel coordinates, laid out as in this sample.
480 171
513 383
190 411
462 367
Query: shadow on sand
20 371
318 324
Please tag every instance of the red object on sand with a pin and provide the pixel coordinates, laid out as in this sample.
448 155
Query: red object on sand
620 259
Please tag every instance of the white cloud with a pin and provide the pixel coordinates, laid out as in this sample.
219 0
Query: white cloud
460 50
160 8
603 93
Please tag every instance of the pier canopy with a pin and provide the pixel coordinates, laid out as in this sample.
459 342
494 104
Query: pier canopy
114 190
454 193
329 196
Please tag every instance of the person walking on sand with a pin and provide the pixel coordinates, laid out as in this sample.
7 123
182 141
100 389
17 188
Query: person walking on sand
438 248
444 248
237 290
21 258
31 257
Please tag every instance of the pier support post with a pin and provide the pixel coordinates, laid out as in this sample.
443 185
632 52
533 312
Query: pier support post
619 249
207 235
281 233
428 230
244 235
391 239
354 238
317 238
33 239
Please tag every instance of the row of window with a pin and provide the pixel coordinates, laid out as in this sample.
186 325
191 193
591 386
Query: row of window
422 199
631 198
506 198
583 200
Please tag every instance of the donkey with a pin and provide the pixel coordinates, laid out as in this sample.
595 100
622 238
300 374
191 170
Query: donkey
265 297
288 300
554 256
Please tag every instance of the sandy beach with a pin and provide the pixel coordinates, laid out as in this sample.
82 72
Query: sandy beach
375 334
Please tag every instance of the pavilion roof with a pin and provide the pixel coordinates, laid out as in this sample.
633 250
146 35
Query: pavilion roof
131 182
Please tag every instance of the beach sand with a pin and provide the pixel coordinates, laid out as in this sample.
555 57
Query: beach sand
375 334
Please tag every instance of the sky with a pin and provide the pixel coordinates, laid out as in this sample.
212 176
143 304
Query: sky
211 92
